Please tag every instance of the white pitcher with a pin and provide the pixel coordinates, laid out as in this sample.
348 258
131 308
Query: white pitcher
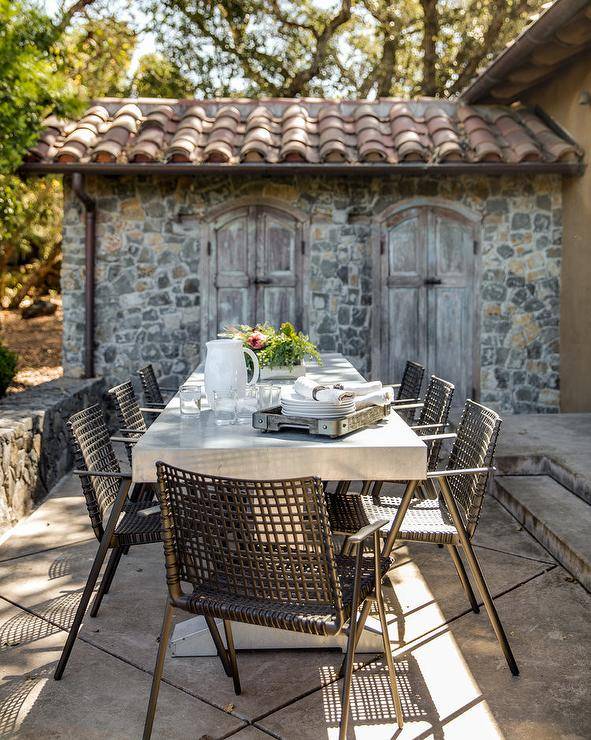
225 367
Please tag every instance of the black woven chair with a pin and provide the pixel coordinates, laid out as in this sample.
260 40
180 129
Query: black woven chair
104 486
409 390
261 552
129 415
449 518
152 388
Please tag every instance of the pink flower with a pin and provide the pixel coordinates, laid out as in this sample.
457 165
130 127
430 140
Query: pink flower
257 340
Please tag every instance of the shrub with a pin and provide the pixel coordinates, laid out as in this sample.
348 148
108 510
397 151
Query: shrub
8 360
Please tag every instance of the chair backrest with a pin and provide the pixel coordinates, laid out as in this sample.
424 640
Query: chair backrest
473 447
436 411
93 451
412 380
262 540
150 386
128 410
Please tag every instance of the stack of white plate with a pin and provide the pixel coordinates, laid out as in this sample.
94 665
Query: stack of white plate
293 404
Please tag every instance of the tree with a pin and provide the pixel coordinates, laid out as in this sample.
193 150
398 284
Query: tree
345 48
158 77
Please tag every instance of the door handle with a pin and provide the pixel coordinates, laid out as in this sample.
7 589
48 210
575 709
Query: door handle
262 281
433 281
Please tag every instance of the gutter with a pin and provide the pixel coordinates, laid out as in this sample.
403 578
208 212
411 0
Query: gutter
78 186
325 168
559 13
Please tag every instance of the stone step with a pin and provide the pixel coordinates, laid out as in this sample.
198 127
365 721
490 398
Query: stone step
559 520
572 473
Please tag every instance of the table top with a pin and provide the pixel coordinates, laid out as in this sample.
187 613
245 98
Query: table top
389 450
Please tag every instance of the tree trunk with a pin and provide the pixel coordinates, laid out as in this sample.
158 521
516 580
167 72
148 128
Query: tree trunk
36 276
430 36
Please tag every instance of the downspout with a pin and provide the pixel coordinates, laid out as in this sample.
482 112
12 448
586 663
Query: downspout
78 186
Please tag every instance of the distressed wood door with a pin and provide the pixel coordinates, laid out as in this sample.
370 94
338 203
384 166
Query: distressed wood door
254 260
427 290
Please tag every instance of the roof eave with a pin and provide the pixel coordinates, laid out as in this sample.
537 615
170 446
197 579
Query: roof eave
515 54
293 168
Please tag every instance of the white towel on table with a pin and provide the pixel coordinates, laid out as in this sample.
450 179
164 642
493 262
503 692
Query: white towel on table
360 387
306 387
380 397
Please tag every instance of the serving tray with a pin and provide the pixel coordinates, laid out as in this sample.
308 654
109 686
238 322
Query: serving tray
272 420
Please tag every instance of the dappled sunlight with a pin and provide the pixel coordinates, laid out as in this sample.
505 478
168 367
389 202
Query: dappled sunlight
18 695
47 618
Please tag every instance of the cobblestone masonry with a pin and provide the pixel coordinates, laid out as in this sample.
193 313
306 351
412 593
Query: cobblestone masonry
148 288
34 442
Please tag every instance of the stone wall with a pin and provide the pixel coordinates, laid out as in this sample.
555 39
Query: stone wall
148 272
35 449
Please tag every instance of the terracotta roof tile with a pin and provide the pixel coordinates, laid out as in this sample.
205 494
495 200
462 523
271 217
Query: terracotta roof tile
306 130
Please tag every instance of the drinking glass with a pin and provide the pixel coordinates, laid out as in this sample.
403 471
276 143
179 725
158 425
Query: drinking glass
246 406
224 407
191 395
269 396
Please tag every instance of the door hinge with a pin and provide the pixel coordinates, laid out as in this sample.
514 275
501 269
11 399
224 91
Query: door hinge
303 246
382 245
475 246
209 249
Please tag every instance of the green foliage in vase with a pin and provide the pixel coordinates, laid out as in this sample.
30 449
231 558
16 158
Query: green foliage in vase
8 361
283 347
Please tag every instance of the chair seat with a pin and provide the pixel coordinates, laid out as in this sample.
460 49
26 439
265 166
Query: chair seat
319 620
135 528
427 520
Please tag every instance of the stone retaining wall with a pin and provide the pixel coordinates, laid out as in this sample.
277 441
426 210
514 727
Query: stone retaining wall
35 450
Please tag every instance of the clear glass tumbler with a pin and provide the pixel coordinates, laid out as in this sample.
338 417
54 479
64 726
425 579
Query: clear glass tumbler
191 395
247 405
224 407
269 396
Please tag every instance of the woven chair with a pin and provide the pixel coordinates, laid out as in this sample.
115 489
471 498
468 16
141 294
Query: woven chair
409 389
450 518
152 388
261 553
104 485
129 415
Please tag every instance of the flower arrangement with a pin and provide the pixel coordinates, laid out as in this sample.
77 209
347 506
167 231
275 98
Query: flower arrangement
283 347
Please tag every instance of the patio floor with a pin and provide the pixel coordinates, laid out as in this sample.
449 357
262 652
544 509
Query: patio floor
453 679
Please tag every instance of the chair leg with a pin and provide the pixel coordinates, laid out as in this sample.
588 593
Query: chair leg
232 656
351 643
162 647
479 578
219 645
463 576
92 578
385 637
114 559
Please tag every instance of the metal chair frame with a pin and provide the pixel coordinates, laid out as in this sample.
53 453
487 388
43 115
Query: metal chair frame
409 390
462 485
104 485
261 552
129 415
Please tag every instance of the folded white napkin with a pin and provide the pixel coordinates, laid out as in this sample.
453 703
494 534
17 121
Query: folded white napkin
378 398
360 387
308 388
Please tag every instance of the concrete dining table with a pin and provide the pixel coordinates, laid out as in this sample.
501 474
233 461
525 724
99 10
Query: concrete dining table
386 451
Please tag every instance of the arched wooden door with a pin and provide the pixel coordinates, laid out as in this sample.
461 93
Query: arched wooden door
254 261
427 286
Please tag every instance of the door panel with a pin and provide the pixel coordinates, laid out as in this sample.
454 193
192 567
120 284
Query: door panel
427 288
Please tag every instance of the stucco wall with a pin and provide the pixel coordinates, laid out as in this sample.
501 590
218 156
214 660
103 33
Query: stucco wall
148 272
560 98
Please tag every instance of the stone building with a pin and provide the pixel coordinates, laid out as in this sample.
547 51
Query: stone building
388 230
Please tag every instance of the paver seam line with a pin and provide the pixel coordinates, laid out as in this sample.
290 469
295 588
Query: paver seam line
562 565
516 555
122 659
264 729
250 724
412 644
47 549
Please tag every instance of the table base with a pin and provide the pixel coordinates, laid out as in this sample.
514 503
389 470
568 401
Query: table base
191 638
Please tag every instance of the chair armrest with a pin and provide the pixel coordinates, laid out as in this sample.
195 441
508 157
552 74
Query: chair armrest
419 427
103 474
365 532
168 389
403 406
150 511
152 409
393 385
126 440
432 437
407 400
461 471
132 431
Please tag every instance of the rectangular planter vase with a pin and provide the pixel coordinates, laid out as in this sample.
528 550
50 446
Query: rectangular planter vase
282 372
